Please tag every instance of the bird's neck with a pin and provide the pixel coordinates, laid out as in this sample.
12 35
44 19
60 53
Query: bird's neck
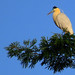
57 12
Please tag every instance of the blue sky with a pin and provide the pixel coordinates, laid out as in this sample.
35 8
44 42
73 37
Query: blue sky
27 19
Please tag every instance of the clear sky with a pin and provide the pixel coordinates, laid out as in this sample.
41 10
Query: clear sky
27 19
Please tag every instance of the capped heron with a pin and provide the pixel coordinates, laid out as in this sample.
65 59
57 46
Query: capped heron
61 20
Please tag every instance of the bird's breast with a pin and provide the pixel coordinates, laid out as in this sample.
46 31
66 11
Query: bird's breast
55 14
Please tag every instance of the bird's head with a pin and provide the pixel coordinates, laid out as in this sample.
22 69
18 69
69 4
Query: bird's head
55 9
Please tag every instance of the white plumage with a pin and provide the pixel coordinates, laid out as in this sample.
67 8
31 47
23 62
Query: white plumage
63 22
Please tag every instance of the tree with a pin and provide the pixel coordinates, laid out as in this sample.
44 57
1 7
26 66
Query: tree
56 53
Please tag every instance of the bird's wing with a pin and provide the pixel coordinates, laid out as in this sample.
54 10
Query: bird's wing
63 22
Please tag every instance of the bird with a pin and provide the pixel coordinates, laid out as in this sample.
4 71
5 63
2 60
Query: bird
61 20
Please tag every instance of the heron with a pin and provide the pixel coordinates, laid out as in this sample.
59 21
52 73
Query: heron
61 20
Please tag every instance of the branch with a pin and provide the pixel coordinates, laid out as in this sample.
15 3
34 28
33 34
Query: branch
56 53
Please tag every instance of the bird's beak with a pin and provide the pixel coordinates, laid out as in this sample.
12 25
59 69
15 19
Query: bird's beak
50 12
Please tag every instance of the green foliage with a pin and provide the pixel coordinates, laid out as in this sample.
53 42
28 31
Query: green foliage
56 53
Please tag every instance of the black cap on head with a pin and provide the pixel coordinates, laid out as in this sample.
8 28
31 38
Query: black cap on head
54 7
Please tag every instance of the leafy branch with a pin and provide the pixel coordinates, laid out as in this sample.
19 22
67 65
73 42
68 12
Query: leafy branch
56 53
